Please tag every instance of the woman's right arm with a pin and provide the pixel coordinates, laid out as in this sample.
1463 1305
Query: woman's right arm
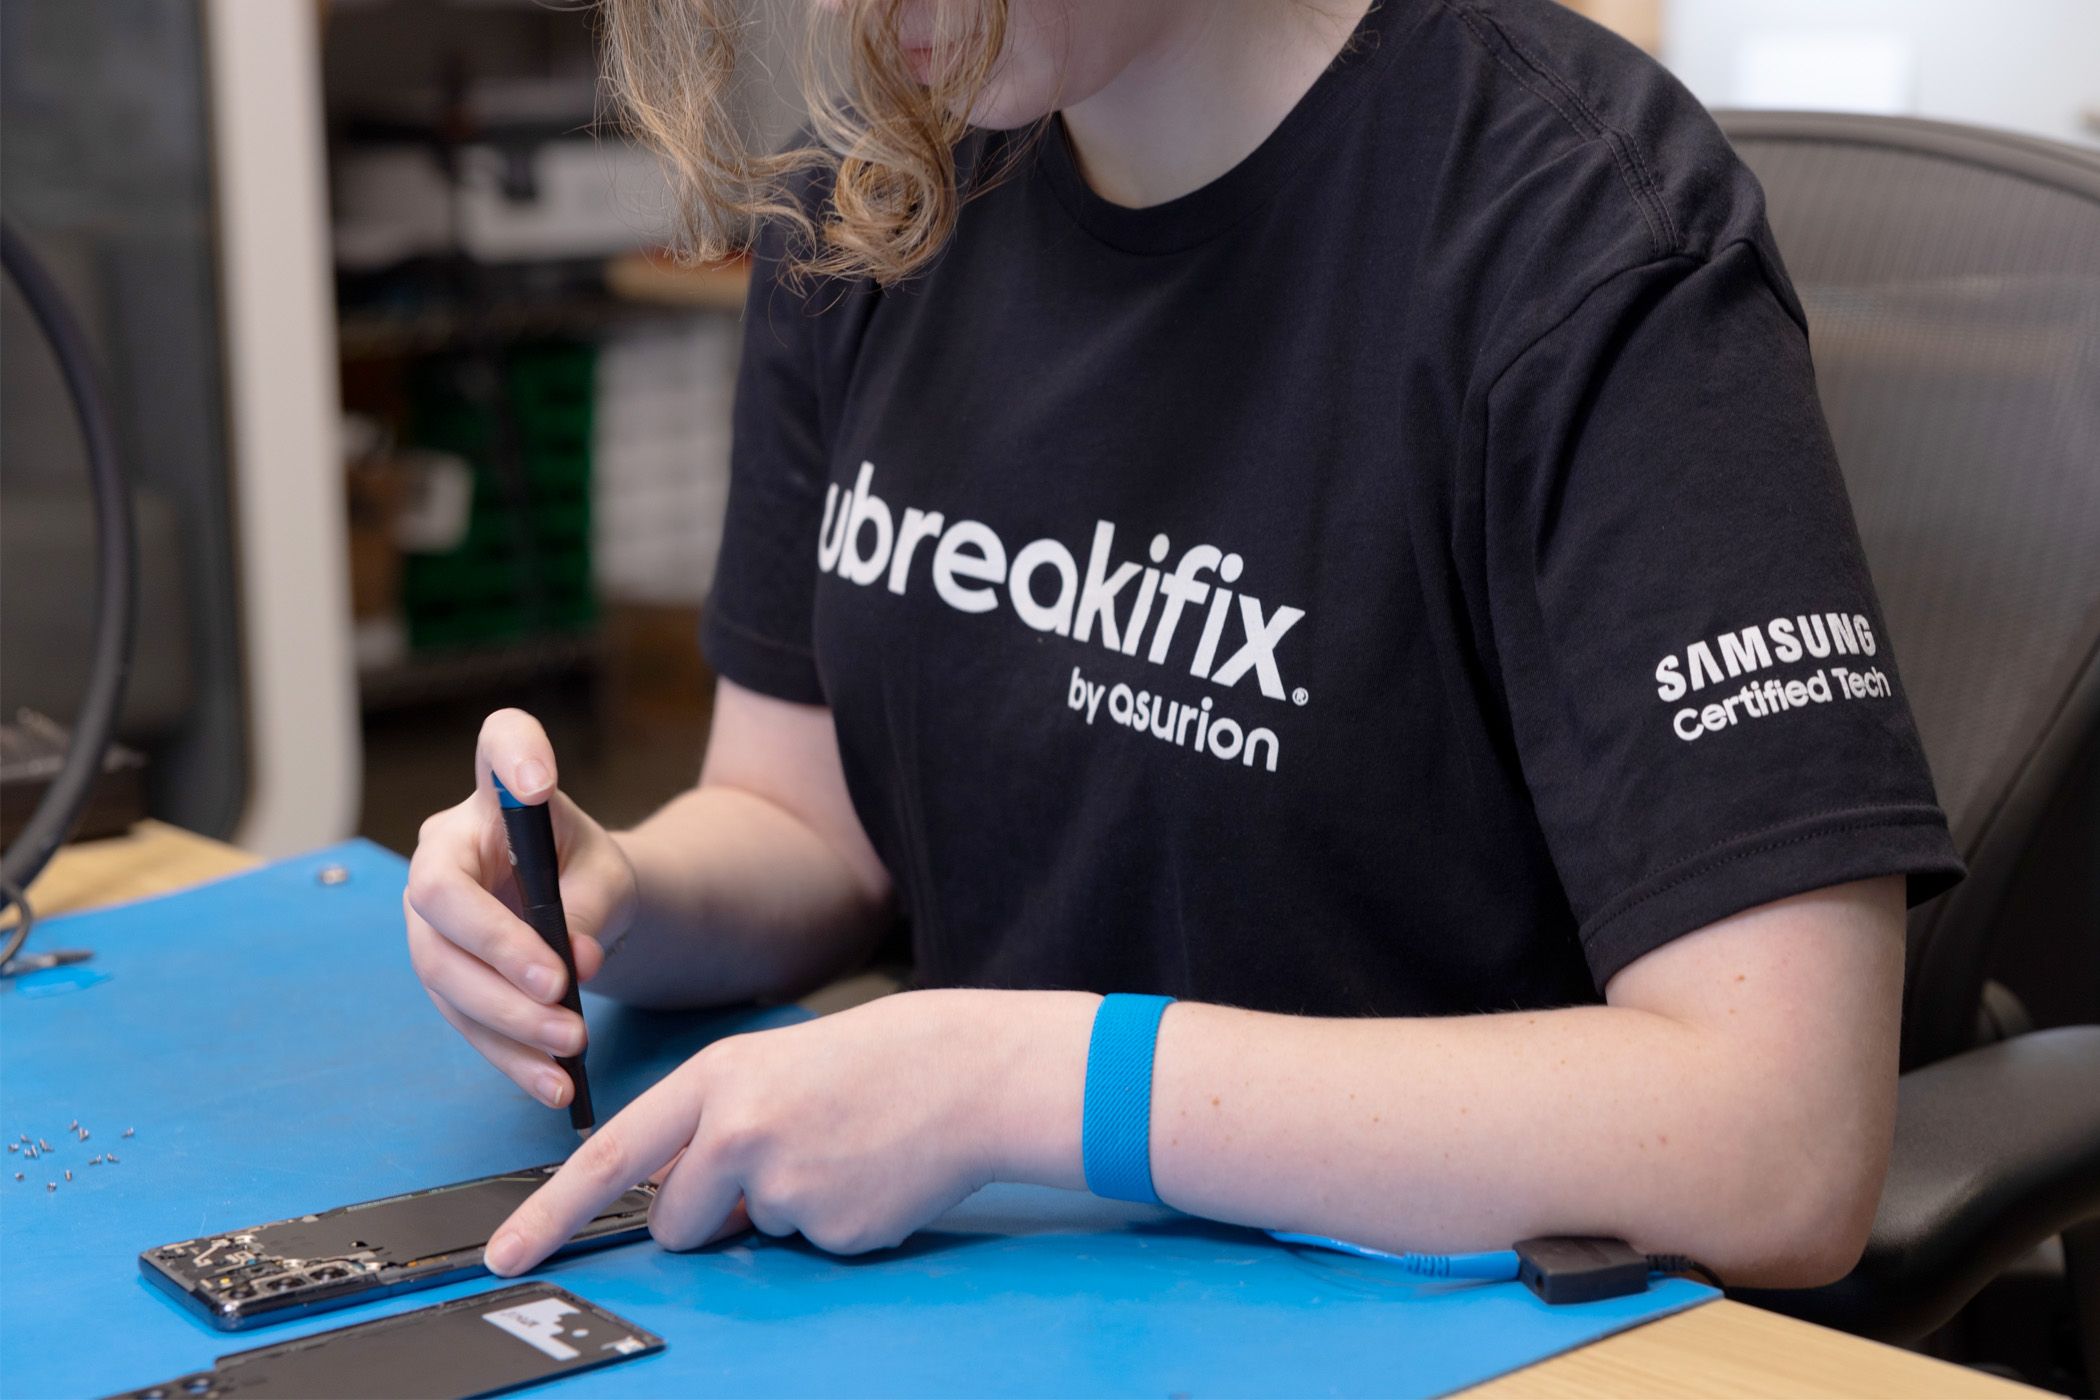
757 883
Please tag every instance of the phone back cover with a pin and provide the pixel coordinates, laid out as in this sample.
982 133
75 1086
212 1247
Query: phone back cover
481 1345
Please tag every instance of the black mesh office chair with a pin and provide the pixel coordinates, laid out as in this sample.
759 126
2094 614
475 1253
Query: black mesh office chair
1952 282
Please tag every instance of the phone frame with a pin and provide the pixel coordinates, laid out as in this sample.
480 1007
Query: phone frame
226 1314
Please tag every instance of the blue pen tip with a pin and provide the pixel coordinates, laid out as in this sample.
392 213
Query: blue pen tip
503 794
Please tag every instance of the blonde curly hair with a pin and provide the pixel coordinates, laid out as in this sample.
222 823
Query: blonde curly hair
886 140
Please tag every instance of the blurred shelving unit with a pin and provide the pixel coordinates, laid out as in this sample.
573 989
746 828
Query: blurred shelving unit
536 396
420 680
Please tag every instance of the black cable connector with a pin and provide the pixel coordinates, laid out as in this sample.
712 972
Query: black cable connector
1568 1269
1683 1264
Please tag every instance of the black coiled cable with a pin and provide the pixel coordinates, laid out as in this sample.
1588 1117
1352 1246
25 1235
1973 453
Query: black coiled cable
115 586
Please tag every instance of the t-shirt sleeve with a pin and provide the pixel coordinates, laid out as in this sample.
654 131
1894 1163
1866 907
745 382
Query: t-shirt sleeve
756 626
1701 694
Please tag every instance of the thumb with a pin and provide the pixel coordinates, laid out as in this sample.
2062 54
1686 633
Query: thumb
513 749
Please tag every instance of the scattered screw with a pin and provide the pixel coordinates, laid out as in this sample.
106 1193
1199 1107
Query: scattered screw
14 1147
333 875
18 1176
83 1134
109 1156
129 1131
69 1173
43 1146
30 1153
50 1186
74 1126
94 1161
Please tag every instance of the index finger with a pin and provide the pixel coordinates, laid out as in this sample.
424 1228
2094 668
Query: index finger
623 1152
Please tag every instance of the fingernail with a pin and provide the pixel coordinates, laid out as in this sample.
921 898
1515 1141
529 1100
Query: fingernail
505 1253
564 1036
550 1088
532 777
539 981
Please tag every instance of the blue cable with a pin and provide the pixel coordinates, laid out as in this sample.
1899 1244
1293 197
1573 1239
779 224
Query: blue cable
1488 1266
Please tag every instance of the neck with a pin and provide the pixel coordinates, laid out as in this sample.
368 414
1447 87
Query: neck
1213 80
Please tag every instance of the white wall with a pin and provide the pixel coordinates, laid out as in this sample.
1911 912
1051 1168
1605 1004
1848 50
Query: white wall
284 418
2031 65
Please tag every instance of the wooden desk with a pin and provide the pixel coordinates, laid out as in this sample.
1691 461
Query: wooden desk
1723 1349
1729 1349
657 280
154 858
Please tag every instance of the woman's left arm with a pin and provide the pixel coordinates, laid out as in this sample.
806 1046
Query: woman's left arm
1733 1101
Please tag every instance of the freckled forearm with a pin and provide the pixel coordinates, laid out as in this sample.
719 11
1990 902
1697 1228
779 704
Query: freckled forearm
1442 1134
1735 1103
1435 1134
1461 1133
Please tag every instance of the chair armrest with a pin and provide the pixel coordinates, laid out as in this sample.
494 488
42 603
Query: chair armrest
1996 1150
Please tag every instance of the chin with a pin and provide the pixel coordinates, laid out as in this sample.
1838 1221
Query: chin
1015 100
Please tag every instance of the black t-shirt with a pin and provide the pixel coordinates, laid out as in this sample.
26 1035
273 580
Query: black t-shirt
1407 575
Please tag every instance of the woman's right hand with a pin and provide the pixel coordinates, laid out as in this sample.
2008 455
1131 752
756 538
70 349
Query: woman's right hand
489 974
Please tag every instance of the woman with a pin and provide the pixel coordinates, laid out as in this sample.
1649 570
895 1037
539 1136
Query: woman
1312 509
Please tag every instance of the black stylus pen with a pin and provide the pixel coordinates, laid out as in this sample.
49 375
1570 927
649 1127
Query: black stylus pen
529 830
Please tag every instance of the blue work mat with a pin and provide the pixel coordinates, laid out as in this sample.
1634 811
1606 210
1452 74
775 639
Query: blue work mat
265 1038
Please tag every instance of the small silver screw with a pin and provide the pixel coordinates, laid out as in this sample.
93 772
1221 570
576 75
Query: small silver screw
43 1146
129 1131
333 875
94 1161
109 1156
83 1134
69 1173
18 1176
50 1186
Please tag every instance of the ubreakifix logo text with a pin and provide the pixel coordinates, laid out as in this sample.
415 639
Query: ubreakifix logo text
1126 607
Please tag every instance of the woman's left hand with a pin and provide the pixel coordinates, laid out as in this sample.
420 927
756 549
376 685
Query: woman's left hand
853 1130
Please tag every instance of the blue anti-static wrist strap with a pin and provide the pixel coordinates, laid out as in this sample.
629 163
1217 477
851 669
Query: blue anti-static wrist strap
1115 1138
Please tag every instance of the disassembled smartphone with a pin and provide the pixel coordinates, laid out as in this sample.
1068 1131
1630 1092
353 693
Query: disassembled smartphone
262 1274
483 1345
